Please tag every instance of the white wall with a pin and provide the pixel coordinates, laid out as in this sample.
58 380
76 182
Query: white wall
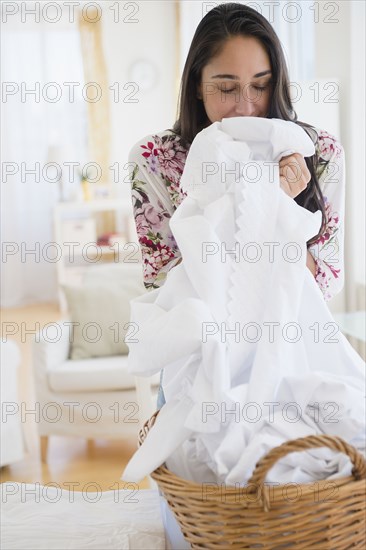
340 51
151 38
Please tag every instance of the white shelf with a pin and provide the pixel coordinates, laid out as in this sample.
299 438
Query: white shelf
71 272
103 205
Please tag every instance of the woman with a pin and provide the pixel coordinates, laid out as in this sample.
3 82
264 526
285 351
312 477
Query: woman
236 67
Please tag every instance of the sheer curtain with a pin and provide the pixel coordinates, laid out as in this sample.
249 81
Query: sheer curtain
48 126
95 70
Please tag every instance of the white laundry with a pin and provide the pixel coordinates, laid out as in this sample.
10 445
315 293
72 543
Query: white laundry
284 371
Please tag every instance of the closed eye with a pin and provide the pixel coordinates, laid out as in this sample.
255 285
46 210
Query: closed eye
228 91
260 88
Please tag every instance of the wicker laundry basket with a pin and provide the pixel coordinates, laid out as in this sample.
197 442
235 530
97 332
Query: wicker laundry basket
321 515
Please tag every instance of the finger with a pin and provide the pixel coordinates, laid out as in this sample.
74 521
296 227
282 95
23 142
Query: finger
292 168
294 156
291 156
285 186
292 173
288 158
304 167
296 187
296 173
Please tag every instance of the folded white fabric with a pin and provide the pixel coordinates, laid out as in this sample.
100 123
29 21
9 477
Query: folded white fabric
251 354
43 517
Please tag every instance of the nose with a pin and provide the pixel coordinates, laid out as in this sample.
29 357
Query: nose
244 105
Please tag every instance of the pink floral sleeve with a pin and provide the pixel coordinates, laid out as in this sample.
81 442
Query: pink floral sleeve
328 250
157 164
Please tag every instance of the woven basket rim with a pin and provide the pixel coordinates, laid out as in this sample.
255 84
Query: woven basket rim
230 516
163 472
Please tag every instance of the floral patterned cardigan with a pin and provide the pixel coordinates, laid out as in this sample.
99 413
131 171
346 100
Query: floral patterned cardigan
157 163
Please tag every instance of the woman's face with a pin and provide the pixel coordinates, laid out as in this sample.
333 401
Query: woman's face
233 83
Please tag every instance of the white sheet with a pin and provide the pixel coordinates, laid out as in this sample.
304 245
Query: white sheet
36 517
301 381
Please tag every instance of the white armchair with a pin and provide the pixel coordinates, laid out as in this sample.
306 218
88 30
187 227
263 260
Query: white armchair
92 398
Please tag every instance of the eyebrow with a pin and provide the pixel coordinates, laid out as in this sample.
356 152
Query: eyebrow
234 77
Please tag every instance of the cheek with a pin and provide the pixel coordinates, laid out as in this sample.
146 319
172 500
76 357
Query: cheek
265 98
257 97
261 104
219 104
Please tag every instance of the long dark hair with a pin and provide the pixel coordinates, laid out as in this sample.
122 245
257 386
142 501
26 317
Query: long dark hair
218 25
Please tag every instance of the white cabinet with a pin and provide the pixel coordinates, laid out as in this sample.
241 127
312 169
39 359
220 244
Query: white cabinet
79 228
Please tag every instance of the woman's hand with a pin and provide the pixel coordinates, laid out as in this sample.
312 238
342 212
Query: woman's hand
294 174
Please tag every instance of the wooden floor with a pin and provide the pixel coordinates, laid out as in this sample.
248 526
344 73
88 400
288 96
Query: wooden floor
93 466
